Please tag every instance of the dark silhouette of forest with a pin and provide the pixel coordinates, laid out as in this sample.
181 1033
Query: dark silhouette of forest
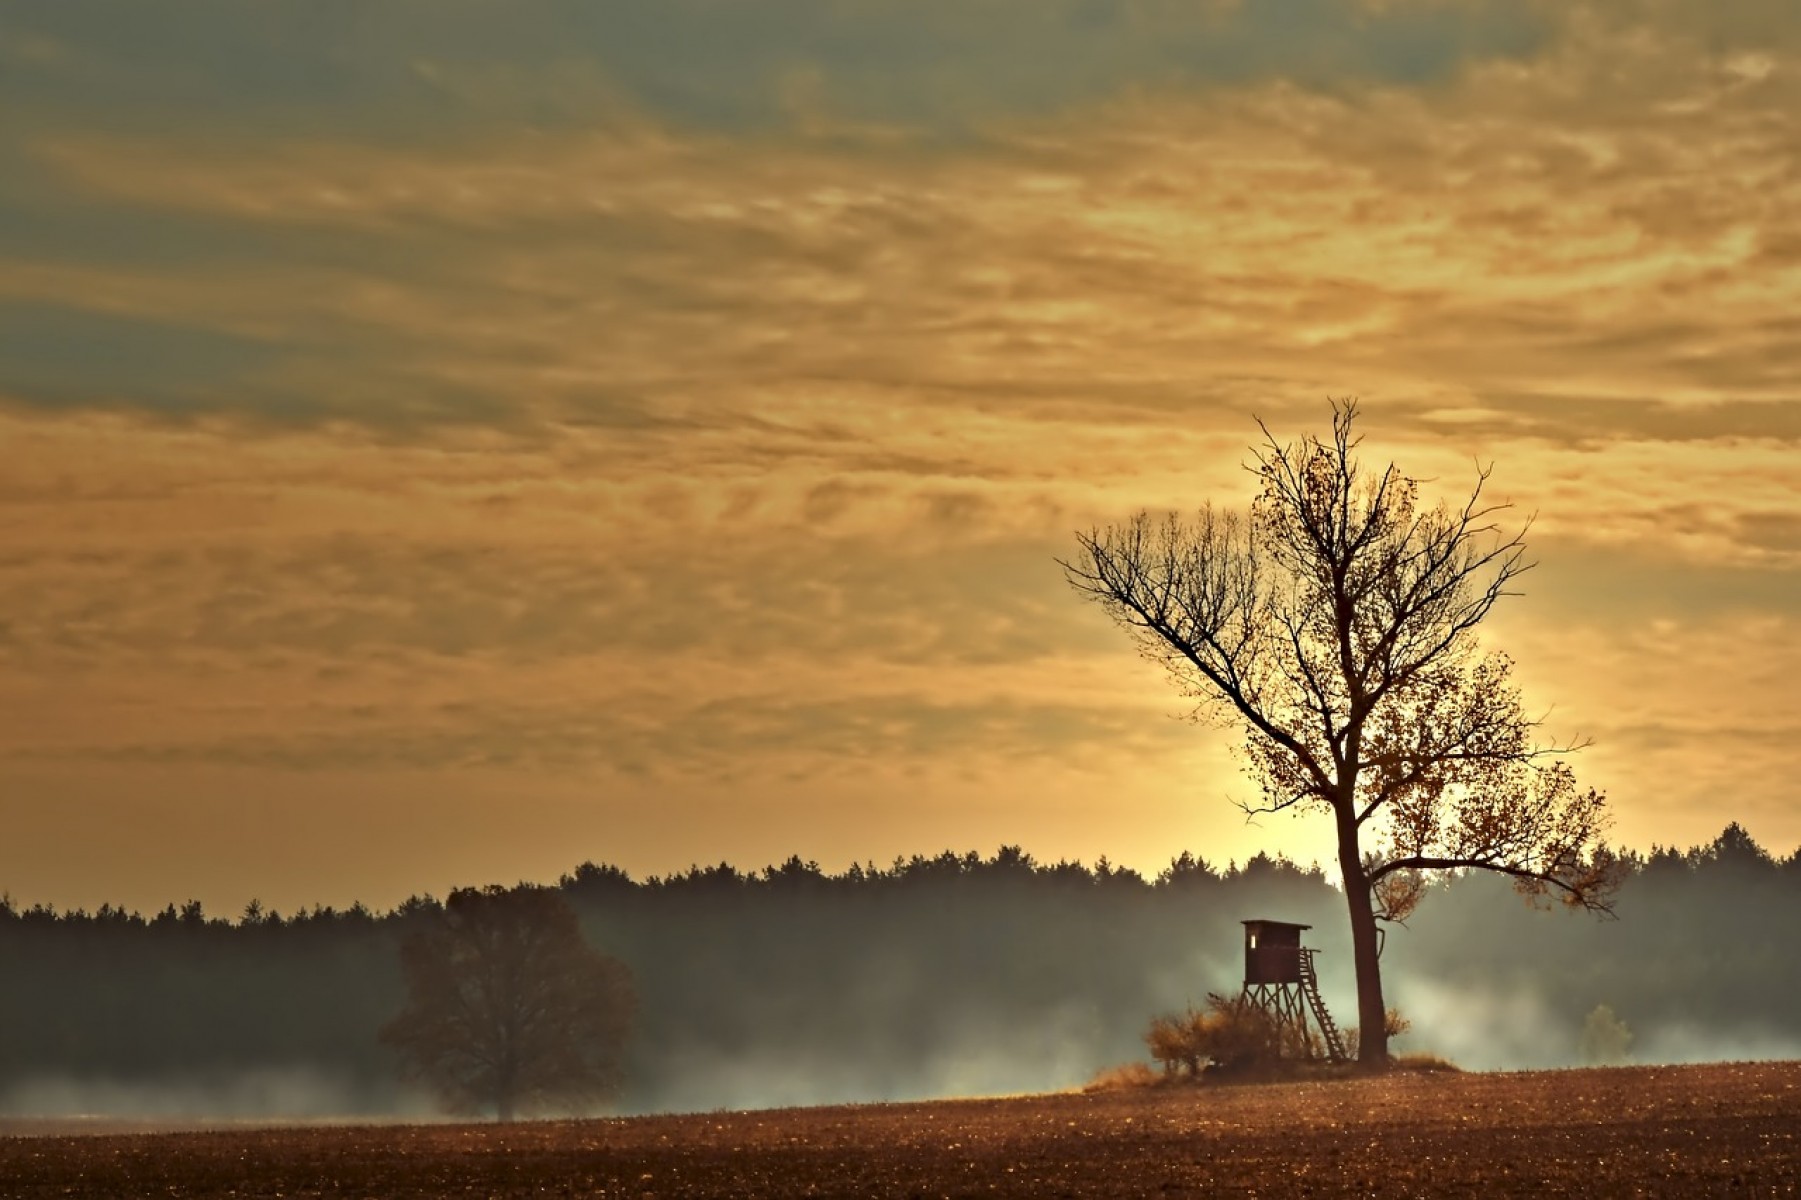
956 974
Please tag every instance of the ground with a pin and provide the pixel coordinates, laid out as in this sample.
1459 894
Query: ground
1726 1130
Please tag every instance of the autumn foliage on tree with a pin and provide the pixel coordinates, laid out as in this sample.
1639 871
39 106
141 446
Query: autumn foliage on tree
508 1008
1337 624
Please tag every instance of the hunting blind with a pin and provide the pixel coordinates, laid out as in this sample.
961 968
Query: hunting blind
1279 979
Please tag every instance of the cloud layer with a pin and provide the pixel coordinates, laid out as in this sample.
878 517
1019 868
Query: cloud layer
656 402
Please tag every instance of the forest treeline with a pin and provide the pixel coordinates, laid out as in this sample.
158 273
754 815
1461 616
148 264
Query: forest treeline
953 974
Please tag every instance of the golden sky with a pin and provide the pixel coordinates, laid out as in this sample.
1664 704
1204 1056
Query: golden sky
446 441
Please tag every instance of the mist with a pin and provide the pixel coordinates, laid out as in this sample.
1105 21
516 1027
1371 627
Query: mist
949 976
1527 1029
293 1093
1698 963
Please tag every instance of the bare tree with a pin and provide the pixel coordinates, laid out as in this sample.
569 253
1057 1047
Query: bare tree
507 1007
1338 624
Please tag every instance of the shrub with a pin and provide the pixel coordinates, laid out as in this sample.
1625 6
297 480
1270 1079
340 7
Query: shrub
1228 1034
1178 1041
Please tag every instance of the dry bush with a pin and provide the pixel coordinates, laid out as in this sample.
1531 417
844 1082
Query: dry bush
1178 1041
1124 1077
1244 1036
1425 1062
1228 1034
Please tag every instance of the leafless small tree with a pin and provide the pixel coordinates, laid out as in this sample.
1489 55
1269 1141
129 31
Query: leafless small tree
508 1008
1338 625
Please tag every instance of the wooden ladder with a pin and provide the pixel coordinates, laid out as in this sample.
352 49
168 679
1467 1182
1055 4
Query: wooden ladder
1328 1027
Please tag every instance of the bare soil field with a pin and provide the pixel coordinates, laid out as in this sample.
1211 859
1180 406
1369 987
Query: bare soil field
1725 1130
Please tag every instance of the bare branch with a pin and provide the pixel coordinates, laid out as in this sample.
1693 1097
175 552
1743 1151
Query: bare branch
1595 894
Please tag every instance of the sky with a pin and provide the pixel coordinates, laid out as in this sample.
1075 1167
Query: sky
444 441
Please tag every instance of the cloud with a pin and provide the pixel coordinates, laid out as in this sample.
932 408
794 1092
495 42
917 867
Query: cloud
652 736
678 385
664 627
424 66
53 354
1597 422
1515 237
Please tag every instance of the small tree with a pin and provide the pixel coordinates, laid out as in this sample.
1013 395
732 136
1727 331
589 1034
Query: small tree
1605 1038
507 1007
1338 624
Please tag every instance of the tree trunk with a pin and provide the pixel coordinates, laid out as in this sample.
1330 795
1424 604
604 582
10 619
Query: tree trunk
503 1100
1372 1012
506 1076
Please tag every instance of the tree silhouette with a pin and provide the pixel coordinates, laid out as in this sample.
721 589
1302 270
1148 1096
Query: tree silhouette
507 1007
1338 625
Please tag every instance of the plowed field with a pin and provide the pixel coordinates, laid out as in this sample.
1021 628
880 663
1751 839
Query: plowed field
1729 1130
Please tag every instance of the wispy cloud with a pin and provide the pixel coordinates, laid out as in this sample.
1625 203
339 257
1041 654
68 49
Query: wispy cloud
453 62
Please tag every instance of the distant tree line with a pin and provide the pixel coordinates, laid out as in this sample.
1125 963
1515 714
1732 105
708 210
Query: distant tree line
932 975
